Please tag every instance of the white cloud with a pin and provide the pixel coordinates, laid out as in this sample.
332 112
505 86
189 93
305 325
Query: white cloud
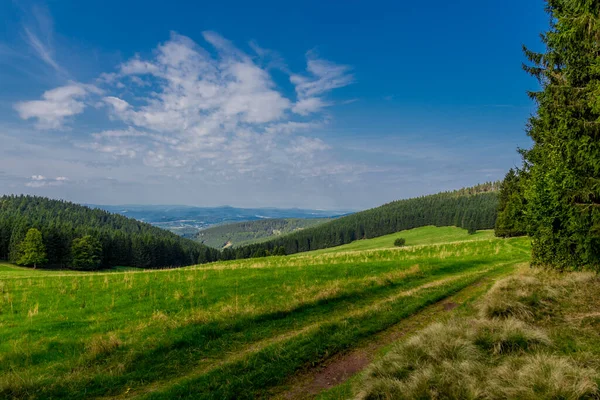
308 106
119 106
56 106
290 127
324 77
307 146
193 109
218 114
39 181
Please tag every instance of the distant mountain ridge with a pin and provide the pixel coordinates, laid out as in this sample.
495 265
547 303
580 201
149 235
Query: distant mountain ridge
187 221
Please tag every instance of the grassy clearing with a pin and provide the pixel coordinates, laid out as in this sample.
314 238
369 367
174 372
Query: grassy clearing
225 330
535 336
414 237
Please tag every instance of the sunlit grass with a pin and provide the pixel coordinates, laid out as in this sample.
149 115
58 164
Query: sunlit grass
414 237
241 325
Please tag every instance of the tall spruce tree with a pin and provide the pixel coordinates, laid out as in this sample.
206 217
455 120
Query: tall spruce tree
511 203
563 189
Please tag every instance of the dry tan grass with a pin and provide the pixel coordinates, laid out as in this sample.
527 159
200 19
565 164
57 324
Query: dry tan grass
507 336
517 297
102 345
178 295
33 311
497 356
542 376
159 316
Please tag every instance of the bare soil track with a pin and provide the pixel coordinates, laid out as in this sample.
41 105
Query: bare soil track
341 367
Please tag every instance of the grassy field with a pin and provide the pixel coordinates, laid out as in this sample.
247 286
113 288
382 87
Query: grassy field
238 329
414 237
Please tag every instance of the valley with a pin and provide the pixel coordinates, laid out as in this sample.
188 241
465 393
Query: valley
187 221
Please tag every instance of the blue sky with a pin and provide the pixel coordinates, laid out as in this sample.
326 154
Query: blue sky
319 104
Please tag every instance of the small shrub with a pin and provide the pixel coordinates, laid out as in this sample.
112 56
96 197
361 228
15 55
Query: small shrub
399 242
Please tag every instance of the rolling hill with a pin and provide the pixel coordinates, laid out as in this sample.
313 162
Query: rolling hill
124 241
470 208
243 233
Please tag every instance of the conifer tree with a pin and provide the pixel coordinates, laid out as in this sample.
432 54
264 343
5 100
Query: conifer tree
85 253
563 189
511 203
32 250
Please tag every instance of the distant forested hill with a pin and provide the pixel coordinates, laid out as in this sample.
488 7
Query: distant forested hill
243 233
471 208
124 241
187 221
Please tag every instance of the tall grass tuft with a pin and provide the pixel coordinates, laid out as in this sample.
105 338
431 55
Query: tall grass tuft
542 376
507 336
103 345
500 355
519 297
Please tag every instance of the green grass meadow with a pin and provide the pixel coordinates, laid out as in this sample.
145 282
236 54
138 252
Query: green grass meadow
237 329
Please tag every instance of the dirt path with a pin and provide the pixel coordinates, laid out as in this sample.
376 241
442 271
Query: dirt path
258 346
338 369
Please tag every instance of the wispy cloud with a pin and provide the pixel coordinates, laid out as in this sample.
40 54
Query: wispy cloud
323 77
38 33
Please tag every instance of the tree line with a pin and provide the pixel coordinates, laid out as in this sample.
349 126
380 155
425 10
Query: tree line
76 236
555 195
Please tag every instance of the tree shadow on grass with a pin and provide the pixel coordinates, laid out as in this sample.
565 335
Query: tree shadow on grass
189 344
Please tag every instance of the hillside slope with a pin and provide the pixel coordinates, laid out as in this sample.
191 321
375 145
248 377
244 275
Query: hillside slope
471 208
124 241
247 232
229 330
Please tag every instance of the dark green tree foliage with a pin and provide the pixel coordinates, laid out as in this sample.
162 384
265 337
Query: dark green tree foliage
563 188
471 227
472 207
511 206
280 251
399 242
124 241
86 253
32 251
